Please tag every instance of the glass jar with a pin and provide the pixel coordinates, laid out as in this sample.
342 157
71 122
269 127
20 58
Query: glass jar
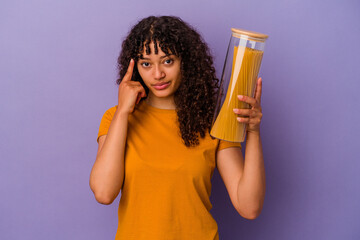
239 77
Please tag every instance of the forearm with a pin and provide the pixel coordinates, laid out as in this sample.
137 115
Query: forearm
107 175
251 186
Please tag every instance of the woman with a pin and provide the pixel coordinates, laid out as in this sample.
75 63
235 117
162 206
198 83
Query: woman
155 145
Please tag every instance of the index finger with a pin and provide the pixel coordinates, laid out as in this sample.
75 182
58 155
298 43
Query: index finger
258 90
129 71
251 101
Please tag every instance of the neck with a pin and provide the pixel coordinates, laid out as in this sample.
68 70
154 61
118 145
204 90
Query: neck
162 103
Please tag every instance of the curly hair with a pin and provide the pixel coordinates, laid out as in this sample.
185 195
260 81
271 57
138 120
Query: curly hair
195 98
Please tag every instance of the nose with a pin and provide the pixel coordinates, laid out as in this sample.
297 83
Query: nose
158 72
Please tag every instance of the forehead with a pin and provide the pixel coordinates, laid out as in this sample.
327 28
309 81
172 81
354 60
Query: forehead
149 49
152 49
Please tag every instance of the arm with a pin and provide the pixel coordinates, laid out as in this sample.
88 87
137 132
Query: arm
251 186
107 174
245 180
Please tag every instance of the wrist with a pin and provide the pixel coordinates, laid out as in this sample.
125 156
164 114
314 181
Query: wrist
254 132
118 112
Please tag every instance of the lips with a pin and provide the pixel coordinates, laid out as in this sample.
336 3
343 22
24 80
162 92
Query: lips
161 84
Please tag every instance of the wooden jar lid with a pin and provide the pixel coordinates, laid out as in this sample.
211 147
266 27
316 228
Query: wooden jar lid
258 36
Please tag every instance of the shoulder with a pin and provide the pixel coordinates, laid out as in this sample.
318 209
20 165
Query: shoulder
112 110
222 144
109 113
216 143
105 121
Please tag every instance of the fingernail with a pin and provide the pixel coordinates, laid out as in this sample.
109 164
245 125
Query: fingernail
234 109
240 96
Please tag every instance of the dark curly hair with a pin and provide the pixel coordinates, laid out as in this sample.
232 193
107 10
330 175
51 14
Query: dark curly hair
195 98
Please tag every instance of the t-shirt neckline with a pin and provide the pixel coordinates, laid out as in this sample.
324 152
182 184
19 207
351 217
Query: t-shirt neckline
159 110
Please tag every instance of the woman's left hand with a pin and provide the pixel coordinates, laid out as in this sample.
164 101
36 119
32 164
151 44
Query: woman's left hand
253 114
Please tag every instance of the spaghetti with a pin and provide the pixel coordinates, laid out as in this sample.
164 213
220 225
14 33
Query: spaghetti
245 68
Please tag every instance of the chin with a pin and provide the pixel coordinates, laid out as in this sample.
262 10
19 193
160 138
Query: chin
163 94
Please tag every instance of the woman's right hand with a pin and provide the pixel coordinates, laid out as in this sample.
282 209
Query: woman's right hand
130 92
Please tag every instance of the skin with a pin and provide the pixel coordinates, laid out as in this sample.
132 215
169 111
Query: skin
244 178
158 68
107 174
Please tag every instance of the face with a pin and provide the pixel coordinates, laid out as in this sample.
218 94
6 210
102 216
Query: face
160 73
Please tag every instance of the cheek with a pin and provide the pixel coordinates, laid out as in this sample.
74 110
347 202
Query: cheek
140 71
176 73
179 76
143 76
178 81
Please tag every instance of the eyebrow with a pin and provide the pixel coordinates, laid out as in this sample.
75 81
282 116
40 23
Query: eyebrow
141 57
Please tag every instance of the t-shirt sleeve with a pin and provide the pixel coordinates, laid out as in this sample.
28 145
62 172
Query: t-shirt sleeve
225 144
105 122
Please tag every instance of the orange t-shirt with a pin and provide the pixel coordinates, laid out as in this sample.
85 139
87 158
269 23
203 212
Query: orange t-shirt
167 186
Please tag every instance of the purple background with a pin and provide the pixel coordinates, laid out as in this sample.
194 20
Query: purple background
57 78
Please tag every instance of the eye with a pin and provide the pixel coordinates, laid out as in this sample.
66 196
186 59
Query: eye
168 61
145 64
